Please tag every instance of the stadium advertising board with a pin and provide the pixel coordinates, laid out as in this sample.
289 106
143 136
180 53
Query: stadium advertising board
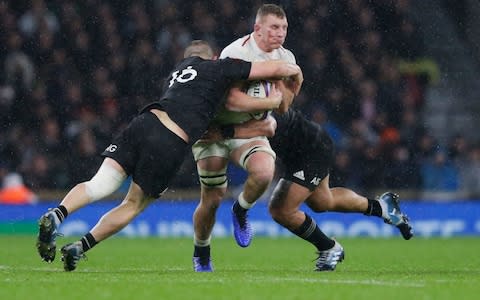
174 219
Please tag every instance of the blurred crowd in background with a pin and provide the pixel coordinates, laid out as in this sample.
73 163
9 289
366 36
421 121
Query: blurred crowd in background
73 73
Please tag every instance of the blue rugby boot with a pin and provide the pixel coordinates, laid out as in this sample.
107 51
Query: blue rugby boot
392 214
328 259
242 230
71 254
202 264
47 234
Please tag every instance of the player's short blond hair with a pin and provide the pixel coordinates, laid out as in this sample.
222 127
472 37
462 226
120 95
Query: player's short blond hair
199 48
270 9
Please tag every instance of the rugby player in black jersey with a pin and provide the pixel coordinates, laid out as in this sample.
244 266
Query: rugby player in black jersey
153 146
307 153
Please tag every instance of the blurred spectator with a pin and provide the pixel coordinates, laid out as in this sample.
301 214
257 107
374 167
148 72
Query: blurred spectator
439 173
19 68
84 160
403 172
36 16
342 173
39 173
319 116
470 173
75 72
14 191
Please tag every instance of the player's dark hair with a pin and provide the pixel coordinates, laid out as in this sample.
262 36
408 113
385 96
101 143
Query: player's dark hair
270 9
199 48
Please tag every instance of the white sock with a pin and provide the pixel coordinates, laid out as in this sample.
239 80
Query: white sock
243 203
201 243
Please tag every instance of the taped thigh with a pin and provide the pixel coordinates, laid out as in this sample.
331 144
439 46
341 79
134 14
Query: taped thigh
257 148
203 150
213 179
106 181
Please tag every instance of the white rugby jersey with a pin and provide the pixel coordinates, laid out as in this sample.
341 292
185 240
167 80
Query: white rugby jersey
247 49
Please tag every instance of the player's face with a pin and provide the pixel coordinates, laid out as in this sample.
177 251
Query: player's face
272 32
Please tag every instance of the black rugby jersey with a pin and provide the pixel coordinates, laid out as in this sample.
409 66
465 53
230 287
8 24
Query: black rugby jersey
195 89
296 137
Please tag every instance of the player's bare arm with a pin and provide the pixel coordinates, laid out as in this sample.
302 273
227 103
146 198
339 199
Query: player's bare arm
252 128
287 97
290 87
276 69
294 83
239 101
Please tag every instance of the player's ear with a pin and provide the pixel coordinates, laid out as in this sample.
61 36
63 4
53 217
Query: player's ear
256 28
215 57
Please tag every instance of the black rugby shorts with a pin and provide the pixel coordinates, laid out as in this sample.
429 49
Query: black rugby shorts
149 152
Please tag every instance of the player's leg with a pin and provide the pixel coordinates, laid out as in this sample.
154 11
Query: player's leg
258 159
213 181
110 223
108 178
340 199
284 208
152 168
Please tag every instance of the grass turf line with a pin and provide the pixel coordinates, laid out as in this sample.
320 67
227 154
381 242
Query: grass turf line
160 268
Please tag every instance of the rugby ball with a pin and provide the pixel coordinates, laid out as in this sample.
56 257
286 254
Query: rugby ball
259 89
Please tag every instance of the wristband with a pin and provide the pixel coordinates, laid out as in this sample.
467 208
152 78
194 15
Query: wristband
228 131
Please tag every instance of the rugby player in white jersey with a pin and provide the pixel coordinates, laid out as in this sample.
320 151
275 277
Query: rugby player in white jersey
254 155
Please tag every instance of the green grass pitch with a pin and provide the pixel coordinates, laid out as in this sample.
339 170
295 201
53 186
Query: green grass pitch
160 268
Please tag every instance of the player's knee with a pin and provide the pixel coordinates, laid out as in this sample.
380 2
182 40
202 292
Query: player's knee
211 197
211 206
261 171
279 214
211 202
274 211
262 177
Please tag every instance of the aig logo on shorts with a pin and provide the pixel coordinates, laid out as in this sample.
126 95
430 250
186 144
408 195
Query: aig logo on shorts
111 148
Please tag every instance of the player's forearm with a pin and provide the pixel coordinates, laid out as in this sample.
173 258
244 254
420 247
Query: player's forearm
286 101
254 128
238 101
287 97
273 69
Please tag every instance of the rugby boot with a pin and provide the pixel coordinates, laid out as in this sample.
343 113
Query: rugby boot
242 230
328 259
71 254
202 264
392 214
47 234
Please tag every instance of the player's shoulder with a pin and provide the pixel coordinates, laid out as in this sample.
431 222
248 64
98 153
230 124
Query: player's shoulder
287 54
237 48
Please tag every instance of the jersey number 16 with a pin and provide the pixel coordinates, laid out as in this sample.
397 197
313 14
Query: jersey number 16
186 75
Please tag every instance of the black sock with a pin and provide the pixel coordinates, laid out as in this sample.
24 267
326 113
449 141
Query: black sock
374 208
237 209
201 251
61 212
310 232
88 242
